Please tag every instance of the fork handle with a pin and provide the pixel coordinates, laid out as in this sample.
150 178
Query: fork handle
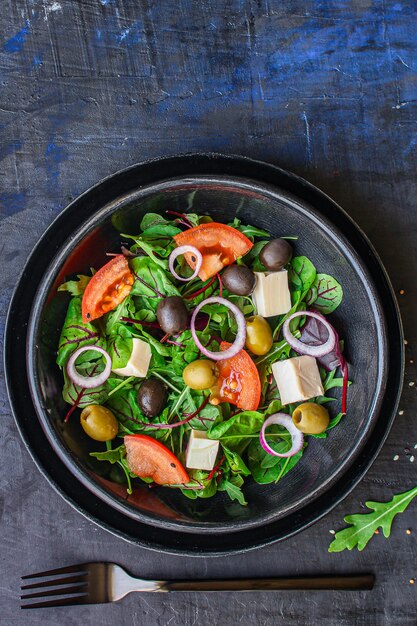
359 582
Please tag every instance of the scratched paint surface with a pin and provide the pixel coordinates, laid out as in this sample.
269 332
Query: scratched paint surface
325 88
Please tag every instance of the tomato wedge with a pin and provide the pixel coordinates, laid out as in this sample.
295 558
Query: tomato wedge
219 244
148 458
238 381
107 288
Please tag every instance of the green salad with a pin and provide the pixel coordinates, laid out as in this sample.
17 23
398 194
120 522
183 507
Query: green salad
202 355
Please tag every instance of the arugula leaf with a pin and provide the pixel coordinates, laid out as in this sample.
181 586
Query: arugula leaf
266 468
112 456
236 462
75 334
325 293
232 487
363 525
249 231
301 275
75 287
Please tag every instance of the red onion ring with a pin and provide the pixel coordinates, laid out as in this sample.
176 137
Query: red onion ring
183 250
240 339
303 348
297 437
88 382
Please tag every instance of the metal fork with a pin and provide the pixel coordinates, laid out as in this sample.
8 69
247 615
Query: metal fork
94 583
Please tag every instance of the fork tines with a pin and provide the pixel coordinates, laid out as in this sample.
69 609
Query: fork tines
75 593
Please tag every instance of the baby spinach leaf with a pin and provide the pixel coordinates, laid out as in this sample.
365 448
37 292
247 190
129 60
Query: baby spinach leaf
124 405
362 526
325 293
120 346
76 287
152 280
157 233
75 334
75 394
152 219
301 275
232 431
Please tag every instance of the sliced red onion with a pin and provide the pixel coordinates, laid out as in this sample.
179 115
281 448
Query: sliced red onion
297 437
183 250
240 339
304 348
88 382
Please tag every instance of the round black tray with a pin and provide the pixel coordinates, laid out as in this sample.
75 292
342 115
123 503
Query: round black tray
60 475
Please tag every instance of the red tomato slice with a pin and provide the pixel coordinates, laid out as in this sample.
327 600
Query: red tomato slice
238 381
148 458
219 244
107 288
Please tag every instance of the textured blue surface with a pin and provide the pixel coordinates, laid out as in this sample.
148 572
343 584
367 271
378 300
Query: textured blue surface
327 89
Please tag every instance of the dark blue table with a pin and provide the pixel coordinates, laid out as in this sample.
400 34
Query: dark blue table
326 89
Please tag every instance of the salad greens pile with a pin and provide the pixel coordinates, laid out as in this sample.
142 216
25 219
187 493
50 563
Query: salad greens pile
241 454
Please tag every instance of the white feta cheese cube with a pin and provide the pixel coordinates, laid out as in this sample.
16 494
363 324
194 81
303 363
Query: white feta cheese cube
271 294
201 451
138 362
298 379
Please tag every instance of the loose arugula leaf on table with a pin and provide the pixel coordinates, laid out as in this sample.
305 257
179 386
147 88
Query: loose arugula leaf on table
75 334
76 287
363 525
325 293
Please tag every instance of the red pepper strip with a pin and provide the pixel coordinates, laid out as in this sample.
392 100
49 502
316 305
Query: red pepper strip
345 374
215 468
197 293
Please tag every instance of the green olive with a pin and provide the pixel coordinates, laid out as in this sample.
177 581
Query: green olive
311 418
99 423
258 335
201 374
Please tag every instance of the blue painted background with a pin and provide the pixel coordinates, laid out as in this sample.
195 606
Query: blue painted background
327 89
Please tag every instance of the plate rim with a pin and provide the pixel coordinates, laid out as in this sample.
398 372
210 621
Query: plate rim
225 159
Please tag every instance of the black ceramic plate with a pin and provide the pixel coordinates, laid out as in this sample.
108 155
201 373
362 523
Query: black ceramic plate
259 194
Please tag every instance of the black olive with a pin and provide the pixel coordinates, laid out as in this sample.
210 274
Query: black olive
239 279
172 315
152 397
276 254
